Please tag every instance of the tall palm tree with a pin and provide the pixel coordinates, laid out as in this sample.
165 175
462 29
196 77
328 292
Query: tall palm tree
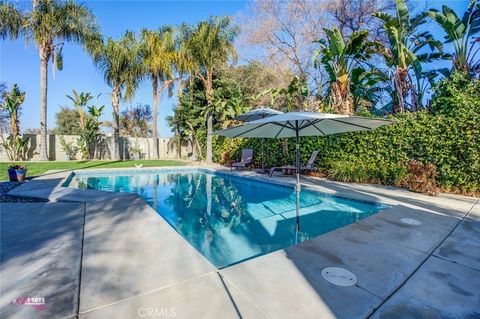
48 25
158 54
339 58
460 33
401 50
210 44
11 21
121 64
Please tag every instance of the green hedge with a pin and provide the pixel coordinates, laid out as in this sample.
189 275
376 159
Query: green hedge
448 136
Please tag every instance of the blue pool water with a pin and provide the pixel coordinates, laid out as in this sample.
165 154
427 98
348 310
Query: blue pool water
228 218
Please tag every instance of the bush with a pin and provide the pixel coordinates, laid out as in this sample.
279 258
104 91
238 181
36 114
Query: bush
421 178
448 137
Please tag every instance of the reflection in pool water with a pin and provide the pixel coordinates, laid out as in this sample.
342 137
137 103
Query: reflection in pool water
230 219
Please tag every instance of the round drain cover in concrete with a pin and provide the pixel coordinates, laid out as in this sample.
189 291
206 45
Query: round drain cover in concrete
411 221
339 276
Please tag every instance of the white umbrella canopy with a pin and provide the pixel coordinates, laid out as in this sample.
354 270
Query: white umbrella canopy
297 124
259 113
305 123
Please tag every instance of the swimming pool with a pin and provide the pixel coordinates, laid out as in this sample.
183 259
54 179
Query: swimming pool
229 218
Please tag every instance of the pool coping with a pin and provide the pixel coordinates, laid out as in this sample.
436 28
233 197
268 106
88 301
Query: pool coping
452 208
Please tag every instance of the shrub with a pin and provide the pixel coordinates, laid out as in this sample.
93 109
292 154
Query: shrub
421 178
448 137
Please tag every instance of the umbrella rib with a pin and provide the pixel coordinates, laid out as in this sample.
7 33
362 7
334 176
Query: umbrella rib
315 126
248 131
357 125
283 126
310 124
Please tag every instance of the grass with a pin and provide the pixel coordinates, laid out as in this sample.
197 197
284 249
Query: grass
38 168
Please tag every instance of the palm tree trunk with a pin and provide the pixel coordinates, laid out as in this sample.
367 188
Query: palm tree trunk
155 116
209 92
43 103
116 124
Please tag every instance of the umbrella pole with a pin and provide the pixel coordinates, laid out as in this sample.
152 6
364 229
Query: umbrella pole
297 163
263 156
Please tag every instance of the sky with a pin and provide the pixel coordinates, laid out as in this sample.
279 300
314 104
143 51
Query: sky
19 62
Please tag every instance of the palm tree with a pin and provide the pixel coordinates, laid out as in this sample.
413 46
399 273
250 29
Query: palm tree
340 58
49 24
11 21
210 44
158 54
460 33
121 64
401 50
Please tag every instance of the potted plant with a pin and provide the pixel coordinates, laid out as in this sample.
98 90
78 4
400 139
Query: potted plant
12 173
17 173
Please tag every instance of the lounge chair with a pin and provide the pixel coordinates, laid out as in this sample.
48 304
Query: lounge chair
309 167
247 158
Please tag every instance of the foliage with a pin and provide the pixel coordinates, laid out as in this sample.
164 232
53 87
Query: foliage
120 62
255 79
136 150
402 54
460 33
90 132
16 166
49 25
421 177
68 148
295 95
15 145
11 103
447 137
210 46
67 121
457 95
340 58
135 121
159 54
359 171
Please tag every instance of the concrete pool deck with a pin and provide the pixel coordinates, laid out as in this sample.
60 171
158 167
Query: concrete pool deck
93 254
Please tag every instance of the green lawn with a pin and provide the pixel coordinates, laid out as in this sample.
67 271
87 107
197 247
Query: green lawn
38 168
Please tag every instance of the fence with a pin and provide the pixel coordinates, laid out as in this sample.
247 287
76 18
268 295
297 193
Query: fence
167 148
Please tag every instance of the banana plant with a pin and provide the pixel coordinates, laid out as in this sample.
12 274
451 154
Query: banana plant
339 57
15 145
402 51
366 88
461 32
228 102
80 101
11 103
90 131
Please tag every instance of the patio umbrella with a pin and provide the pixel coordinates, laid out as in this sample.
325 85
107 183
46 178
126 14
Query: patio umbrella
297 124
257 114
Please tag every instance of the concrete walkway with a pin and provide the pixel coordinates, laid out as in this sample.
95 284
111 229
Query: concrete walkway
93 254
